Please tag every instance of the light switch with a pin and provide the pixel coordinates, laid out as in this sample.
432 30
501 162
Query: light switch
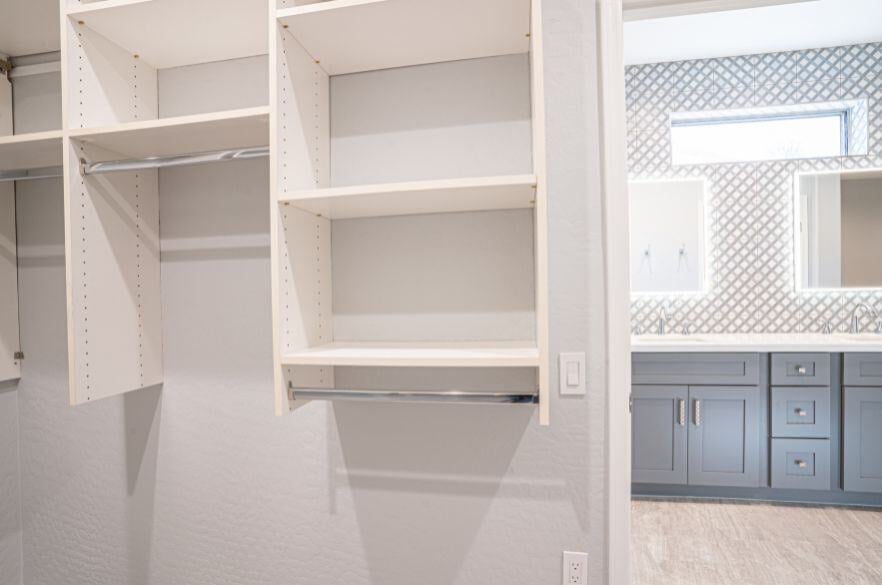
572 373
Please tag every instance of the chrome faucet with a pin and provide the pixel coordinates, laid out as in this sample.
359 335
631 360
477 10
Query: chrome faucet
855 326
663 317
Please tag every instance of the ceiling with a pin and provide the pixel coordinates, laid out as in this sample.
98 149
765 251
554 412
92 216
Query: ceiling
28 27
792 26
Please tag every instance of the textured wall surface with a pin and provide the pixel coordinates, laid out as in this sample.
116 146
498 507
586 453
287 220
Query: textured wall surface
198 482
10 481
752 277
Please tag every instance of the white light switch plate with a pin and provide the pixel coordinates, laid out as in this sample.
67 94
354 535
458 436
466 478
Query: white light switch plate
572 374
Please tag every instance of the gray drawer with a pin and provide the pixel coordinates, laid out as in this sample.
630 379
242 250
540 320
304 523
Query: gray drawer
862 369
801 369
728 369
801 464
801 412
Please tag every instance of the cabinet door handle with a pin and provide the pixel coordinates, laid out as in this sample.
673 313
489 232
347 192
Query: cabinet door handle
800 412
696 412
800 370
681 413
800 463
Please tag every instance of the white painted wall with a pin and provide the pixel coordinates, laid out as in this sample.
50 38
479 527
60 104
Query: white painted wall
200 483
10 480
447 120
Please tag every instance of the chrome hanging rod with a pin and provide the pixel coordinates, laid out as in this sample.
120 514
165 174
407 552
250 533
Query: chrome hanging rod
445 396
30 174
164 162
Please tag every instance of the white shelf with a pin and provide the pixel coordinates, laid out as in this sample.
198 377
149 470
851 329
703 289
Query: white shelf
441 196
181 135
418 354
171 33
347 36
28 151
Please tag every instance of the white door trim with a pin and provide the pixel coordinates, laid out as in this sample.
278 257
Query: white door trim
618 291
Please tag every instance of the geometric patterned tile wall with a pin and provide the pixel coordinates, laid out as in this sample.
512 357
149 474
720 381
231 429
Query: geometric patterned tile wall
752 287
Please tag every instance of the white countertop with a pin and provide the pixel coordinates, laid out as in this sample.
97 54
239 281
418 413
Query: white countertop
758 342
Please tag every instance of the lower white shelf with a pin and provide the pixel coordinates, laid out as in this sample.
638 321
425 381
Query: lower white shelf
417 197
485 354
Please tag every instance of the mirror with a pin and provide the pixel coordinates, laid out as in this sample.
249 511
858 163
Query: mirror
839 231
668 242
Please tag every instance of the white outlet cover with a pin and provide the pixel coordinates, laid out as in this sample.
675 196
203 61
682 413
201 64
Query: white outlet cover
575 568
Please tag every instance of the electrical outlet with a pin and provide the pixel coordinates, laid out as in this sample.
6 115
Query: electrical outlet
575 568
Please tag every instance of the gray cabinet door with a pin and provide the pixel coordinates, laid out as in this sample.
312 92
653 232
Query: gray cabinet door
724 444
658 434
862 447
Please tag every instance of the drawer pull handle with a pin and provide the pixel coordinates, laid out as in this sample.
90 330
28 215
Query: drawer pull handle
800 463
800 370
801 412
696 413
681 413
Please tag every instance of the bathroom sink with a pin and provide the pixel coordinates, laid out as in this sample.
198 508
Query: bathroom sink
673 338
859 337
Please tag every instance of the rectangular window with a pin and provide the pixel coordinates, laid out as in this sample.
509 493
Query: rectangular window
759 134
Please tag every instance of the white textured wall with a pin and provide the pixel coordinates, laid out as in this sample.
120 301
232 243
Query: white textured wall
200 483
10 480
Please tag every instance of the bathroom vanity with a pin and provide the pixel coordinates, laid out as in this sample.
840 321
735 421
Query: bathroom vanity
794 418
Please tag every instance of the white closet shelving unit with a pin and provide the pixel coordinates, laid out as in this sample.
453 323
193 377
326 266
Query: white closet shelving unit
23 155
112 51
313 41
114 139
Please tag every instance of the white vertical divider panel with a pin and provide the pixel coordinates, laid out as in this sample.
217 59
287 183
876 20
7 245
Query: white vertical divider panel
114 310
299 159
105 84
111 224
6 117
541 212
10 368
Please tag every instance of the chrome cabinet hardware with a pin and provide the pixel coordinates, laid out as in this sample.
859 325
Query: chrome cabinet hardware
800 370
696 413
801 412
800 463
681 413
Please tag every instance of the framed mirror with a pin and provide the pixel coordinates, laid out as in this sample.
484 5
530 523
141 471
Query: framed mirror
839 230
669 247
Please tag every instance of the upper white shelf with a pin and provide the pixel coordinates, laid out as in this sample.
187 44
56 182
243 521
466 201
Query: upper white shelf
486 354
441 196
171 33
181 135
347 36
31 151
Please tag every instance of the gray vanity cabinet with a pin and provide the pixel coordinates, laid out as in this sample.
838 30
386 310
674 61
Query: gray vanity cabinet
724 447
696 419
862 445
658 434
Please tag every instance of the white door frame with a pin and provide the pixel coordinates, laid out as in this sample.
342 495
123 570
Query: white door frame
616 258
618 291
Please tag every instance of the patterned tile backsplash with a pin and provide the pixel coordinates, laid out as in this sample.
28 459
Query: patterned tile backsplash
751 217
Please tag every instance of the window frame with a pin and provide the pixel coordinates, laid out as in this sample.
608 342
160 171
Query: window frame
844 110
